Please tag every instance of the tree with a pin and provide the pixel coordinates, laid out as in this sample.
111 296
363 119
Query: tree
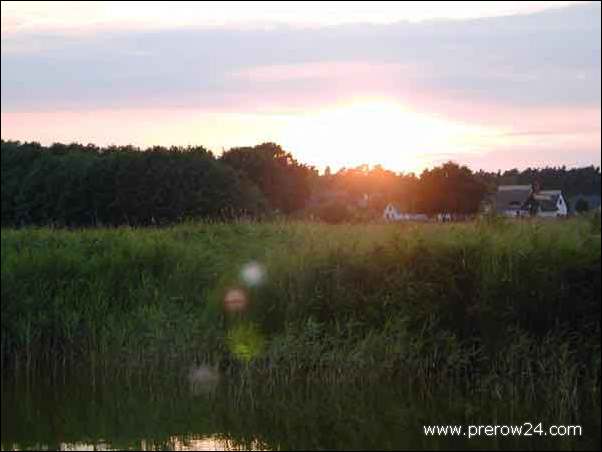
334 212
75 185
283 181
582 206
451 188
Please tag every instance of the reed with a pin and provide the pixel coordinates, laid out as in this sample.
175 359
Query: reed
511 309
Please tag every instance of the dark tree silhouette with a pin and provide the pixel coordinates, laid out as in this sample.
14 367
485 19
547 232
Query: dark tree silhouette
75 185
83 185
283 181
451 188
582 206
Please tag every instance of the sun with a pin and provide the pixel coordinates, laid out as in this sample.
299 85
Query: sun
376 131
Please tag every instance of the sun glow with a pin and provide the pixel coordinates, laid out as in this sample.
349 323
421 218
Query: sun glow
363 131
374 131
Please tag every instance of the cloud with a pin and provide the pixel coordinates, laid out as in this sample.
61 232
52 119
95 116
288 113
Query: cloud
549 58
533 157
535 79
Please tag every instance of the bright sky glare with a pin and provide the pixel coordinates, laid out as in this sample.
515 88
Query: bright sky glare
404 84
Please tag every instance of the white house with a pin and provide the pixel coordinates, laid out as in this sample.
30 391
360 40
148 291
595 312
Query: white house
525 200
392 213
550 204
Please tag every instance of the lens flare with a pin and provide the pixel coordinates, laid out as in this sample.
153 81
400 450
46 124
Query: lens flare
245 341
253 274
203 379
235 300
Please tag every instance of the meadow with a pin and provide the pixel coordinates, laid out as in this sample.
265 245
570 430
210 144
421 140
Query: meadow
493 307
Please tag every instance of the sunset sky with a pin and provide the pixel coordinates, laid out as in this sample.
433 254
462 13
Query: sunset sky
493 85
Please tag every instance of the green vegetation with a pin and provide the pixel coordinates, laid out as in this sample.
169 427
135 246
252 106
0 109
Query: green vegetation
511 309
83 185
75 185
283 181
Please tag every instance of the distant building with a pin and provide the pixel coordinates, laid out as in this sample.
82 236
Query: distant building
517 201
511 200
445 217
393 213
548 204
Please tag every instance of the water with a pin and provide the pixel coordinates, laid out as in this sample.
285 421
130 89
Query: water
174 413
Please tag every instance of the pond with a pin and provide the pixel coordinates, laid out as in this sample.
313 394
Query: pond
77 411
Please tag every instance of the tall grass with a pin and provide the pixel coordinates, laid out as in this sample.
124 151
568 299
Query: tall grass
507 309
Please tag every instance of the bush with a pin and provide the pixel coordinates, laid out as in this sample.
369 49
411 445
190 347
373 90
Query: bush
334 212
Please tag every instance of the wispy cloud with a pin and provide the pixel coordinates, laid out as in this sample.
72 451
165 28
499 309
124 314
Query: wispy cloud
543 59
528 76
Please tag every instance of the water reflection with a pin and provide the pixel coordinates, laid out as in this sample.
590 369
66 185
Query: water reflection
162 413
175 443
217 443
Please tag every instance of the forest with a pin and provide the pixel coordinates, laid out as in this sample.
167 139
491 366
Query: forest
77 185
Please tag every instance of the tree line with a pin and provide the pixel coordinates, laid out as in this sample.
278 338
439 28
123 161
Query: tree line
84 185
76 185
448 188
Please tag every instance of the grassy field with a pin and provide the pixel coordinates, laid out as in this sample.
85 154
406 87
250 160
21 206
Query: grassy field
510 309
